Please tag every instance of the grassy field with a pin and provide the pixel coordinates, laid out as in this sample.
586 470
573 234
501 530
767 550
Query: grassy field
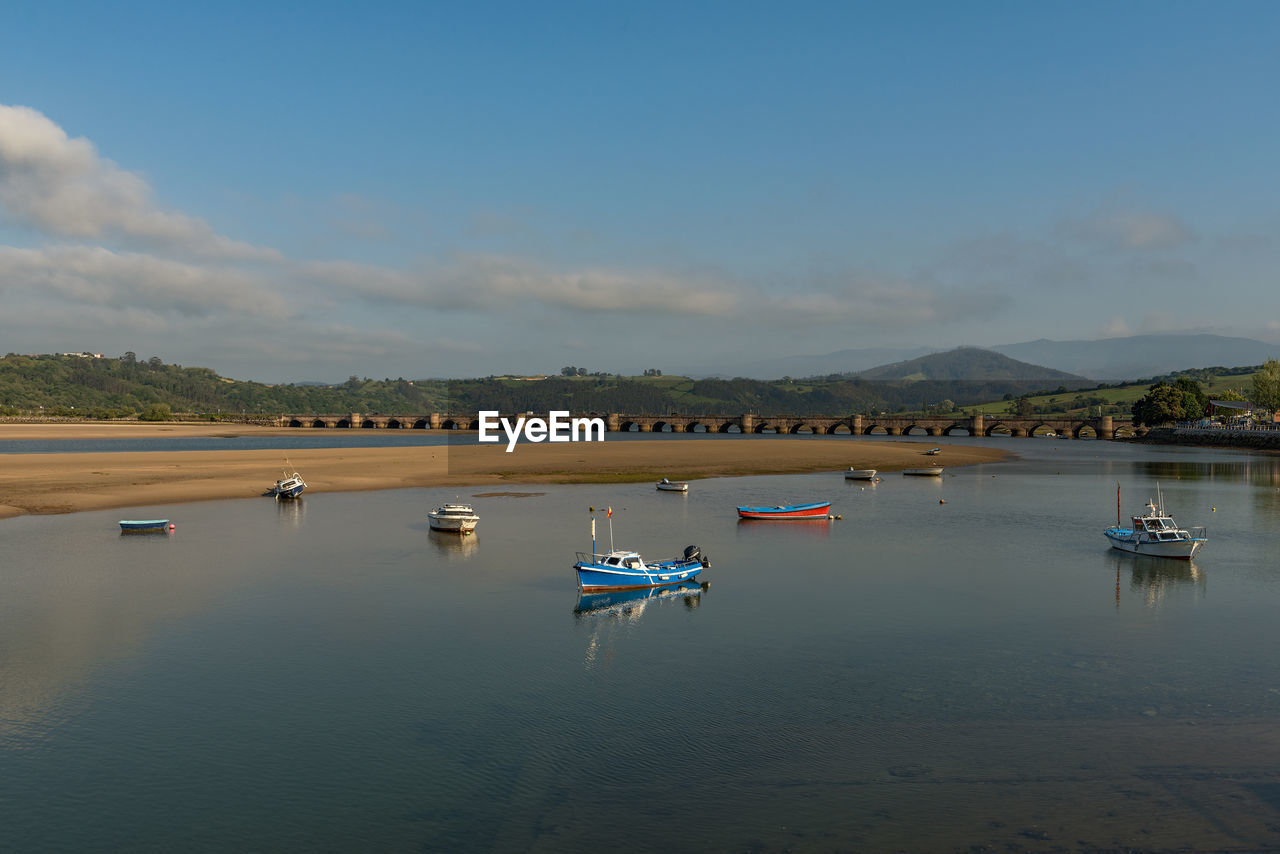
1062 402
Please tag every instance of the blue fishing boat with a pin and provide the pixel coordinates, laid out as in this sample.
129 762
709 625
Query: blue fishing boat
619 569
626 570
145 526
1155 533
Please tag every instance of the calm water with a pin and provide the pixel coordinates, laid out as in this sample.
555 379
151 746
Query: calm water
979 674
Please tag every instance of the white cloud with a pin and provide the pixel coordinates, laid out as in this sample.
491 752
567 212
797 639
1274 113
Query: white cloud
60 186
884 304
1130 230
499 284
90 275
1117 328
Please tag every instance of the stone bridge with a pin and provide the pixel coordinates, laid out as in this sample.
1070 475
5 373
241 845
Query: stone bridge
1103 427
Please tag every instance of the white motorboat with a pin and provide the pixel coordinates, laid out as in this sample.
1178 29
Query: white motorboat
673 485
290 485
1155 533
860 474
455 518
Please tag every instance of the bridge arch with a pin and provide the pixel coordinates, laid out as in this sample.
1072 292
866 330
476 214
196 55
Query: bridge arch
320 422
839 428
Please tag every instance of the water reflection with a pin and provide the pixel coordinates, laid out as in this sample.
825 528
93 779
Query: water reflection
610 614
1154 578
630 604
793 529
1258 471
292 511
453 546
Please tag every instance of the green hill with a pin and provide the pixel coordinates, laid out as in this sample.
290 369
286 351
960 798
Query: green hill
973 364
96 387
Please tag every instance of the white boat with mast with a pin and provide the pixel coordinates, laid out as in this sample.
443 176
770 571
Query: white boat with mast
1155 533
290 485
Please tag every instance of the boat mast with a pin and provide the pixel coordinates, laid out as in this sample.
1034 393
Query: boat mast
1118 525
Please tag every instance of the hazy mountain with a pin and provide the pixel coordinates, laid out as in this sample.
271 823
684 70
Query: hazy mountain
972 364
1109 359
840 362
1142 356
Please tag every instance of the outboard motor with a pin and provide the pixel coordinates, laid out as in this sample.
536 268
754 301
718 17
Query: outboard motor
695 553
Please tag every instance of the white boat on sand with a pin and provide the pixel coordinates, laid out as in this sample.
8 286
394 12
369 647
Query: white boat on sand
1155 533
290 485
859 474
455 518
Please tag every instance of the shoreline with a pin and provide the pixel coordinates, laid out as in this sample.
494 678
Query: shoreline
55 483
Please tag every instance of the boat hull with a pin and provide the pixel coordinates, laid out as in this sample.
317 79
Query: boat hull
144 526
597 578
289 489
794 511
1126 540
931 471
454 525
860 474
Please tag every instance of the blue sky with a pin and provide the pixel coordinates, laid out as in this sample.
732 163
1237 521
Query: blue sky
308 191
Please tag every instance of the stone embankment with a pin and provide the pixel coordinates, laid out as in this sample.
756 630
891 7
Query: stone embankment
1261 440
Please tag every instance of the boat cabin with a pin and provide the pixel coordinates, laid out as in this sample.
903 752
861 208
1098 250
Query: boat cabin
1156 525
626 560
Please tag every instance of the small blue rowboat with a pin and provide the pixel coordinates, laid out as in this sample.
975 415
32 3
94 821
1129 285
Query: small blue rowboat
788 511
145 526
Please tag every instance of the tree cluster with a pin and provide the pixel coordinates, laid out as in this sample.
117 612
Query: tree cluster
1181 400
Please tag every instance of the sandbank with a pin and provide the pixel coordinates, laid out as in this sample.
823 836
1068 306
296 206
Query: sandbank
73 482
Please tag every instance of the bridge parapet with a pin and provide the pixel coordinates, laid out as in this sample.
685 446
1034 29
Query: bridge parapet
1102 427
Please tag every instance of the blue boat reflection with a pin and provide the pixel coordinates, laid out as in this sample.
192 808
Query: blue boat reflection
624 602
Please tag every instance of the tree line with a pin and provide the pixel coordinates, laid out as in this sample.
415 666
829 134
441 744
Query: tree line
127 387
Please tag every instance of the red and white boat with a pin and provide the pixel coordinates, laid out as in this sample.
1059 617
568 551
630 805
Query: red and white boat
786 511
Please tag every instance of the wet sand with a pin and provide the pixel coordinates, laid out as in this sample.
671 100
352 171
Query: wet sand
68 483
